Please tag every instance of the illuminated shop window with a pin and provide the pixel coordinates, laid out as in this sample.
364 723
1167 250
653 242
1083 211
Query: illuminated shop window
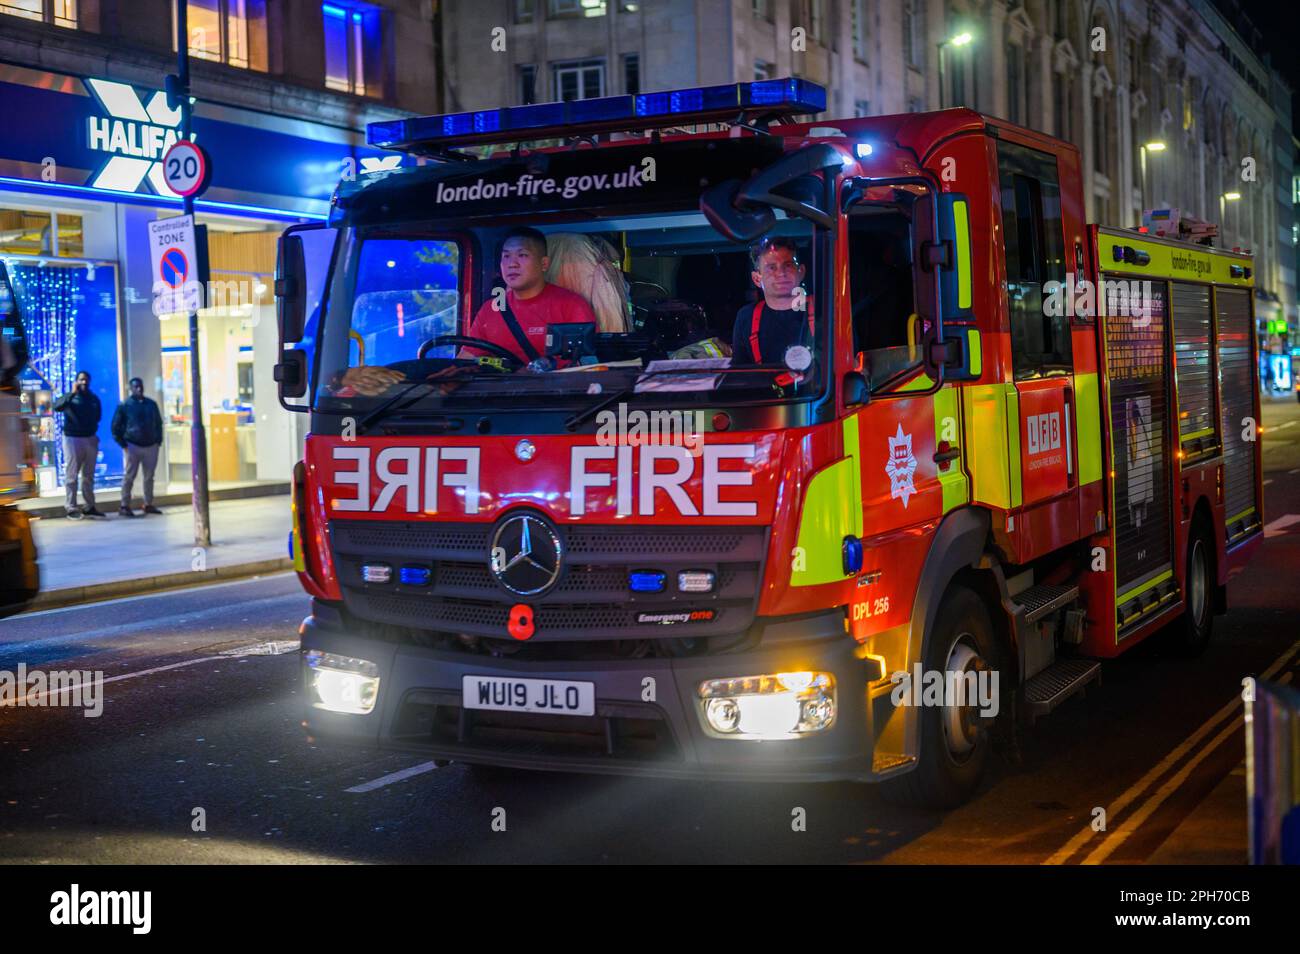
227 31
29 232
352 41
60 12
557 9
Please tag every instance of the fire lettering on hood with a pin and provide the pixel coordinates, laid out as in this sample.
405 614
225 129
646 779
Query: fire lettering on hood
581 479
407 480
643 479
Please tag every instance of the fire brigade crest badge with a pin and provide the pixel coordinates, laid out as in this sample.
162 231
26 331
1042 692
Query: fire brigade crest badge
901 466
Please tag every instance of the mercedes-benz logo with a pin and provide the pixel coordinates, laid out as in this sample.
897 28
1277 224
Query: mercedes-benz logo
526 554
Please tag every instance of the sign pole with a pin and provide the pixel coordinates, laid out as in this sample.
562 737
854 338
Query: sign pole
198 435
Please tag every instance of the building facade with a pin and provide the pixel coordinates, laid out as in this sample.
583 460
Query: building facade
1168 100
282 92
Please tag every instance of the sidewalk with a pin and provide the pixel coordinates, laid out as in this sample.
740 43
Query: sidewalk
89 559
168 495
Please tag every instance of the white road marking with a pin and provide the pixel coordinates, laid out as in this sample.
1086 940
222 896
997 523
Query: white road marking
392 777
257 649
1274 528
125 675
1130 795
1282 426
276 647
198 584
1133 822
1267 482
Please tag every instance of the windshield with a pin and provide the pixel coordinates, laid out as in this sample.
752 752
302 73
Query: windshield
559 312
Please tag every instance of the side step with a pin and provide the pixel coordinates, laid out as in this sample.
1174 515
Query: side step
1038 601
1058 682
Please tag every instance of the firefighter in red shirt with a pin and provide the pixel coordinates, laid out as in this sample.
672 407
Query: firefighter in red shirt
531 303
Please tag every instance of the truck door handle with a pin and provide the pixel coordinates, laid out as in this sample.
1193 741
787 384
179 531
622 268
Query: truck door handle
944 456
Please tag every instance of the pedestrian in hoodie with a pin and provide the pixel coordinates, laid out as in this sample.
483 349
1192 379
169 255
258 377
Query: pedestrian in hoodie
138 429
81 413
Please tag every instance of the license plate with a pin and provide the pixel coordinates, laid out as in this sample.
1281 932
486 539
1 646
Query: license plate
549 696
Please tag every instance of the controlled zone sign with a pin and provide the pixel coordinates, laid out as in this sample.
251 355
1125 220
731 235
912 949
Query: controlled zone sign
173 253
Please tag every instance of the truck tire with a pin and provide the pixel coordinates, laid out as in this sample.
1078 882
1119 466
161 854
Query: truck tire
955 742
1190 633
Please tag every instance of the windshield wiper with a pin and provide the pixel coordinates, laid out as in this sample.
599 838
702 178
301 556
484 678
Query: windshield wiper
383 409
577 419
438 381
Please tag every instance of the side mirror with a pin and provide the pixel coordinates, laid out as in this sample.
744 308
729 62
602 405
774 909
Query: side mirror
291 374
743 211
718 204
856 389
291 288
951 254
959 353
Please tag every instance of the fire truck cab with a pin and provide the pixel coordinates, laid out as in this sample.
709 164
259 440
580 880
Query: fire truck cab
1002 446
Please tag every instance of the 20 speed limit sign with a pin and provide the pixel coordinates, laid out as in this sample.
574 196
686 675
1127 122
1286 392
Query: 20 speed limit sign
186 168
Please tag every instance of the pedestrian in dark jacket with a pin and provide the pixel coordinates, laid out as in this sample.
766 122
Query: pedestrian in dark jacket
138 428
81 414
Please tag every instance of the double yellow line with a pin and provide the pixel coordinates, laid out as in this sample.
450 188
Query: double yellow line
1113 839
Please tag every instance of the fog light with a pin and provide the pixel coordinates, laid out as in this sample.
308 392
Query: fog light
376 572
695 581
817 713
723 714
342 683
783 705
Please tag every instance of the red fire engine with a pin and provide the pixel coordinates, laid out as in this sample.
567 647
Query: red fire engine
991 445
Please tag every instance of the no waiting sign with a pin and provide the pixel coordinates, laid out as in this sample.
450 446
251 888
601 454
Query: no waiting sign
173 252
186 168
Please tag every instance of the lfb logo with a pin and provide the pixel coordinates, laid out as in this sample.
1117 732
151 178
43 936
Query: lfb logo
1044 432
900 466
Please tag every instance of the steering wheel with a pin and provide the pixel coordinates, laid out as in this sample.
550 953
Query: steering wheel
466 340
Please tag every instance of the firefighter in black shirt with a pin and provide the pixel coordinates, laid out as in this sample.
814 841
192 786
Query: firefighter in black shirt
767 329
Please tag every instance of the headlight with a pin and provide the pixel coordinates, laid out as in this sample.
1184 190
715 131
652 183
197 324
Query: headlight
341 683
784 705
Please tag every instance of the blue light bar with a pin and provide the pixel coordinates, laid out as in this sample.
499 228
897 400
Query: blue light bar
761 101
646 581
790 89
684 101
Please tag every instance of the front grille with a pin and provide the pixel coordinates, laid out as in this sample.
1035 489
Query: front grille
477 617
591 600
619 731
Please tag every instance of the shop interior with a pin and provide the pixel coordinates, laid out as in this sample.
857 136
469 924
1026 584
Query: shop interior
241 255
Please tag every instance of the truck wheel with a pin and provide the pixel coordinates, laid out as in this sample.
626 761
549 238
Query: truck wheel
1190 633
955 741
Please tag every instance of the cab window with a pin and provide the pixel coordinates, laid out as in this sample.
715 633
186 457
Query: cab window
1034 250
886 328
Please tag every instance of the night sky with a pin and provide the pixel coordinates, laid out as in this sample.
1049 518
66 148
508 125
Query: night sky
1277 22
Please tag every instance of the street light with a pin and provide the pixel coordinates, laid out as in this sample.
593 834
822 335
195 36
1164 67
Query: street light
1223 213
1154 146
961 39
